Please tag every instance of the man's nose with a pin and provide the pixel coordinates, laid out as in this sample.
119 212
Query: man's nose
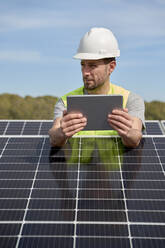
86 70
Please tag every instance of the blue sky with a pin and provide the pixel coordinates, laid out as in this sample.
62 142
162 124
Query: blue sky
38 39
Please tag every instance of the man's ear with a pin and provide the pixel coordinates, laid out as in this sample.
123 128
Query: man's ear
112 66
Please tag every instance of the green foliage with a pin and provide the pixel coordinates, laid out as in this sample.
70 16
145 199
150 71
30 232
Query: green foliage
42 108
27 108
155 110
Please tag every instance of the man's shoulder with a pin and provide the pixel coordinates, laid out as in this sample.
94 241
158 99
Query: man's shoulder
131 95
134 97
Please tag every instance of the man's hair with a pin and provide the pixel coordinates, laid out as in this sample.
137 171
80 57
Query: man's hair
108 60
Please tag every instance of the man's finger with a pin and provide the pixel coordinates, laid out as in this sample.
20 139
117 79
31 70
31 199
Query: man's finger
119 113
71 133
64 112
121 125
74 127
70 116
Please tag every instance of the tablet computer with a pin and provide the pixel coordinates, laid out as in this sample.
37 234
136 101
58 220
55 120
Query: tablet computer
95 108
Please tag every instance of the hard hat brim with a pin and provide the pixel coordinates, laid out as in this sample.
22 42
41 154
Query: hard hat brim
93 56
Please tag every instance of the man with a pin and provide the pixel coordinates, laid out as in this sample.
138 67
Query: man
97 51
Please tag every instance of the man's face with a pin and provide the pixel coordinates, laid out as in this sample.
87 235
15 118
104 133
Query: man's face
95 73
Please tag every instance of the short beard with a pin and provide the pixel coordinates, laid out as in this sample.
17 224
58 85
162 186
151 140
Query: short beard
95 86
92 87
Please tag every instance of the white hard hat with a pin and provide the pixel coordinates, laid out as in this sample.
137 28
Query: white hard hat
98 43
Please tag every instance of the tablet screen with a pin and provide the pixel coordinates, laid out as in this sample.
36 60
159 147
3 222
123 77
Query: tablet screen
96 108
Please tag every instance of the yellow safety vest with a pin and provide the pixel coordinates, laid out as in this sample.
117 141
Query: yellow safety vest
107 152
114 90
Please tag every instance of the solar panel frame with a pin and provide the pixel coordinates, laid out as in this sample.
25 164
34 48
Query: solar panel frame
80 233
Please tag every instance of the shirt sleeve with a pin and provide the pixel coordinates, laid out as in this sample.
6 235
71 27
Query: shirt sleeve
136 107
59 108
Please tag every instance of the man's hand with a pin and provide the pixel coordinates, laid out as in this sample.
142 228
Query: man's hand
65 127
128 127
72 123
121 121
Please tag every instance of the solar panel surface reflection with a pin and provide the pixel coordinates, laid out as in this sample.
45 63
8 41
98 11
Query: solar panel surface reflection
91 193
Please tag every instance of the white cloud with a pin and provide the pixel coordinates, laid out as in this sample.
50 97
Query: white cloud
137 20
135 25
31 57
160 2
129 19
19 21
113 2
20 56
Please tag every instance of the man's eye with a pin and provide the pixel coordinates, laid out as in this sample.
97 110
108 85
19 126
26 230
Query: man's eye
92 66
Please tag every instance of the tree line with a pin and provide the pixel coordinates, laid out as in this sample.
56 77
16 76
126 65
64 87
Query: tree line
15 107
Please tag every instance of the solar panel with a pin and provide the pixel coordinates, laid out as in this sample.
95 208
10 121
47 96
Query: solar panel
25 127
31 127
93 193
153 128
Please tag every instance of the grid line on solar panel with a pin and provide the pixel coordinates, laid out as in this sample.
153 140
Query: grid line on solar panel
2 127
125 202
77 195
3 145
7 124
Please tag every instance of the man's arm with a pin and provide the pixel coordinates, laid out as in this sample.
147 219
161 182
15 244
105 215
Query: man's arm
129 128
57 137
65 127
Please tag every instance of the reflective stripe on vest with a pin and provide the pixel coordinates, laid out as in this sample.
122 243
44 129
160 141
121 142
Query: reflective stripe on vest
114 90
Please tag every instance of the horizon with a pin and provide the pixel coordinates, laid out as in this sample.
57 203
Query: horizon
55 96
